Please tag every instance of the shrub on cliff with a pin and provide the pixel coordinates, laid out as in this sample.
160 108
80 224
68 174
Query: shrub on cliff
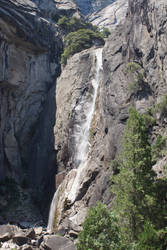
78 41
70 24
73 24
100 230
106 32
136 72
161 108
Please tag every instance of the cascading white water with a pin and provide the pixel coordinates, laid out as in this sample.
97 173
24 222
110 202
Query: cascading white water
53 209
84 114
82 137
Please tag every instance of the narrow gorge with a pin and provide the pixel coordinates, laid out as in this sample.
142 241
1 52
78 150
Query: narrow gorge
70 71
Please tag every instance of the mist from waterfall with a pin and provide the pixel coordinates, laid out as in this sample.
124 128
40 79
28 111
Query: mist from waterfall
84 112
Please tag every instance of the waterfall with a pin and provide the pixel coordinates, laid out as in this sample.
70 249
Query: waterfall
83 131
84 112
52 210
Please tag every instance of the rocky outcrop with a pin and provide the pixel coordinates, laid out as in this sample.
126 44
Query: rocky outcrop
110 16
89 6
13 237
55 8
140 39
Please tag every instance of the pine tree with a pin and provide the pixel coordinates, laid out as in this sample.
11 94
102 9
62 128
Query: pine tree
100 230
132 184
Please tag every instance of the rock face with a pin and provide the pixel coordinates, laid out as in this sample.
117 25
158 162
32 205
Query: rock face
140 39
89 6
110 16
30 48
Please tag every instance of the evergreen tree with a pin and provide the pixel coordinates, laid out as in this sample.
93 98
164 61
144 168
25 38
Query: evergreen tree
133 183
100 230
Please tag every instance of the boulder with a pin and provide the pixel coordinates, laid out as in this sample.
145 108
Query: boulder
20 239
6 232
30 233
73 234
39 241
26 247
38 230
5 237
58 243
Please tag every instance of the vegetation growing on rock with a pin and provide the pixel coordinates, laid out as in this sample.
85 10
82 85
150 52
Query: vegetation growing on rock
73 24
159 148
79 36
136 72
140 198
78 41
161 107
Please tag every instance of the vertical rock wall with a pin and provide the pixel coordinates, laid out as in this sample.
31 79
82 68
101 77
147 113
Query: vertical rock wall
141 39
29 53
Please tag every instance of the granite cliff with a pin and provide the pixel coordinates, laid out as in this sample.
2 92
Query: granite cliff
38 112
30 47
139 40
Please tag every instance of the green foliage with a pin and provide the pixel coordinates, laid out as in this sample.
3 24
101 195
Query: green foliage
71 24
132 184
158 207
161 107
136 71
150 121
78 41
151 238
139 206
148 239
132 67
106 32
159 148
79 36
115 167
134 87
100 230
